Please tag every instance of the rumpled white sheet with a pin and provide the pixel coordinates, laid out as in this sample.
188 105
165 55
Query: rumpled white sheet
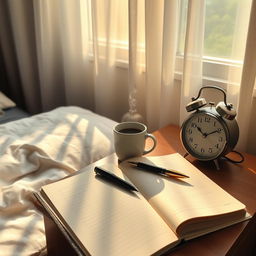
35 151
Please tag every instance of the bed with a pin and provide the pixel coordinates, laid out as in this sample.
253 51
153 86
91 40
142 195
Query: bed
12 114
38 150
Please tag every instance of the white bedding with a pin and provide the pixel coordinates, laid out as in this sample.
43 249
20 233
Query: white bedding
35 151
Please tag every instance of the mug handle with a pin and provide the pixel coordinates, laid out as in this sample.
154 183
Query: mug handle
148 135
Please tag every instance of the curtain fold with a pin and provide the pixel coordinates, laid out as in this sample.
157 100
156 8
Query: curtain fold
50 61
168 91
245 107
24 45
153 49
104 34
193 54
63 72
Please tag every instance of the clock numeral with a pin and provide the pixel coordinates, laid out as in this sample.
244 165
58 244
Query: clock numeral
210 150
199 119
207 119
202 150
217 146
190 131
193 125
214 123
195 145
190 139
220 139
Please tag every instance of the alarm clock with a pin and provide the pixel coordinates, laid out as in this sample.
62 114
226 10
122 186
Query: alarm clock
210 131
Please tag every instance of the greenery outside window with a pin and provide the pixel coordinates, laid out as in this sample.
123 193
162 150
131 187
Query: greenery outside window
226 22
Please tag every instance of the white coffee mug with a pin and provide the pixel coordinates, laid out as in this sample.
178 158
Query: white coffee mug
130 138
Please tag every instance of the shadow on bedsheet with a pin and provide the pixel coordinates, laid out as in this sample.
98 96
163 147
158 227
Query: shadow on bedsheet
26 233
86 138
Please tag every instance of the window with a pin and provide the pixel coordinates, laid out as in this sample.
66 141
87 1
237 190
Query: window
226 22
220 21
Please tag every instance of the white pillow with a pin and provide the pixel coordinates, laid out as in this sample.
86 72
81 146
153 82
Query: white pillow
5 102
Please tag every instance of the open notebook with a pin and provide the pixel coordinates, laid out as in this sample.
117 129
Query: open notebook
104 219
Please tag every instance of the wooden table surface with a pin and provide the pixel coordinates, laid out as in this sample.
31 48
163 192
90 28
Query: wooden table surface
237 179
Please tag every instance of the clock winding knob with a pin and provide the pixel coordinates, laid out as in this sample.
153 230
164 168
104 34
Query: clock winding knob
226 112
195 104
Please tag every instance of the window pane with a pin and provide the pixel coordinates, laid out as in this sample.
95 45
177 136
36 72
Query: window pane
226 23
220 23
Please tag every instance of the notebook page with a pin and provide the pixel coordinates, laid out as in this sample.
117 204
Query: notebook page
106 219
178 200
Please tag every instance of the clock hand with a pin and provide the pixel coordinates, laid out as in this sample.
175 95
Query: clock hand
206 134
199 129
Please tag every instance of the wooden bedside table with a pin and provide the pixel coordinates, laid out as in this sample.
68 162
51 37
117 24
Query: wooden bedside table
237 179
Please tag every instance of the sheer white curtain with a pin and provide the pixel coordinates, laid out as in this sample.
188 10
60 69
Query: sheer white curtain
241 81
18 49
65 75
47 51
193 54
161 28
246 106
76 52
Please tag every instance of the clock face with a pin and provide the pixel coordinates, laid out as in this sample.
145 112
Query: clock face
204 136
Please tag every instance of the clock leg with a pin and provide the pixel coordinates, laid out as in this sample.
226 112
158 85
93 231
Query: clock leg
186 154
216 162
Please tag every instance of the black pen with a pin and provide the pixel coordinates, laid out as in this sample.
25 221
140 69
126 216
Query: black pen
159 170
111 176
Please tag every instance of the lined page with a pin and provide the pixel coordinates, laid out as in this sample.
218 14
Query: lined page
178 200
106 219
